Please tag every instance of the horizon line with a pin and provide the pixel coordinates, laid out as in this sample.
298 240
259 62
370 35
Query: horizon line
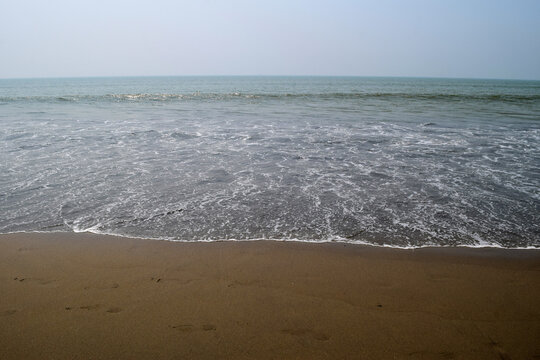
267 75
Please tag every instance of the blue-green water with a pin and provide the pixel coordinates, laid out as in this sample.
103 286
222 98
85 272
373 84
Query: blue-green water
387 161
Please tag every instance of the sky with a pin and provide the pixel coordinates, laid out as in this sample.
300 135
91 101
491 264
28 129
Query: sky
424 38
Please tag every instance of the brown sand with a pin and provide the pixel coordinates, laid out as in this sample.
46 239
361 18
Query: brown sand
82 296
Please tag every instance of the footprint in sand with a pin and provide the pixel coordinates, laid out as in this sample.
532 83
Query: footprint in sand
172 280
102 287
39 281
114 310
432 355
307 332
503 355
187 328
45 282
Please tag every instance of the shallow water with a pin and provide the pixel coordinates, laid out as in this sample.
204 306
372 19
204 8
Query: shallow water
387 161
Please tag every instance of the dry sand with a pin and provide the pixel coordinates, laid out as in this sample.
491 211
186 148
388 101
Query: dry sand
83 296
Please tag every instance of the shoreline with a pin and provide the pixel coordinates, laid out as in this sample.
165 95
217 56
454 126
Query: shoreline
82 295
360 243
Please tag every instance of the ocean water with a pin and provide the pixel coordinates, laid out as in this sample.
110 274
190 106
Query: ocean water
397 162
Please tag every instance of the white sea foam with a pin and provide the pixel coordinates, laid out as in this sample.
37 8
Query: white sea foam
482 245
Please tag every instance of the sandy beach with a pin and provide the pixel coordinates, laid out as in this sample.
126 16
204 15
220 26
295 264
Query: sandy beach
84 296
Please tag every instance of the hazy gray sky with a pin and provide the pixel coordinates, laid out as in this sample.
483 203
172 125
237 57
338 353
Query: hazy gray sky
440 38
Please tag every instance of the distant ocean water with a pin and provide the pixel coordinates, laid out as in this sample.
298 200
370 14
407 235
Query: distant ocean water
398 162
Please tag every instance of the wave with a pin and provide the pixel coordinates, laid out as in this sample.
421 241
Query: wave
165 97
337 239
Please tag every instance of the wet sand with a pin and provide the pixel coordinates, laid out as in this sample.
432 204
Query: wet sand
83 296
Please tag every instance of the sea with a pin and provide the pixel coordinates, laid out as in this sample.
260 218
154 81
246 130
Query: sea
398 162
